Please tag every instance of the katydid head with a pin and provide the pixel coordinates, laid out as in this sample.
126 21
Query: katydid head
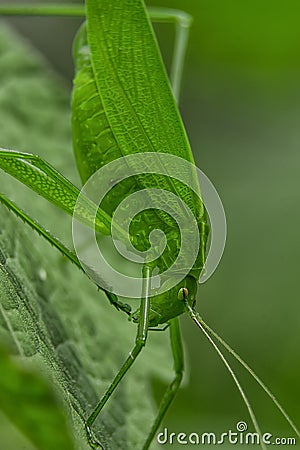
170 303
183 293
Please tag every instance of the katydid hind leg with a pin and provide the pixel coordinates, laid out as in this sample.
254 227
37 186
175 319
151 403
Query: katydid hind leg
21 214
49 183
63 249
182 22
140 342
170 393
180 47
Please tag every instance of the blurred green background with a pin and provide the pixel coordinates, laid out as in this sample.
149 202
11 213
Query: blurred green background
240 103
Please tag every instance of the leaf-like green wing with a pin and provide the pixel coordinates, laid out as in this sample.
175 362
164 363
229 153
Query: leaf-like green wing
134 87
131 79
123 104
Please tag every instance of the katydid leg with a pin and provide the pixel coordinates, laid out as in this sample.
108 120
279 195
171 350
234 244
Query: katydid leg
46 181
65 251
177 351
140 342
183 22
51 9
163 328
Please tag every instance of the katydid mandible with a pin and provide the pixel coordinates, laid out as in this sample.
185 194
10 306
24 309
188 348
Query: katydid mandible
118 111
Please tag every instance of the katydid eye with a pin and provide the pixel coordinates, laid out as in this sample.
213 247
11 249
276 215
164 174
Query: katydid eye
183 294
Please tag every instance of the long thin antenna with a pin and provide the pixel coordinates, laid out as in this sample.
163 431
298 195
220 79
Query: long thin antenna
194 317
252 373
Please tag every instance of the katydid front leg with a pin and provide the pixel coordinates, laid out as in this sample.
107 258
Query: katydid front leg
140 342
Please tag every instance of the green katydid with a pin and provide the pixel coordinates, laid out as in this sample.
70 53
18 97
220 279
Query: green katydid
123 105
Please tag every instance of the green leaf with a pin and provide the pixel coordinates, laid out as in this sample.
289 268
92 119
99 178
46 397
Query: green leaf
28 401
51 314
